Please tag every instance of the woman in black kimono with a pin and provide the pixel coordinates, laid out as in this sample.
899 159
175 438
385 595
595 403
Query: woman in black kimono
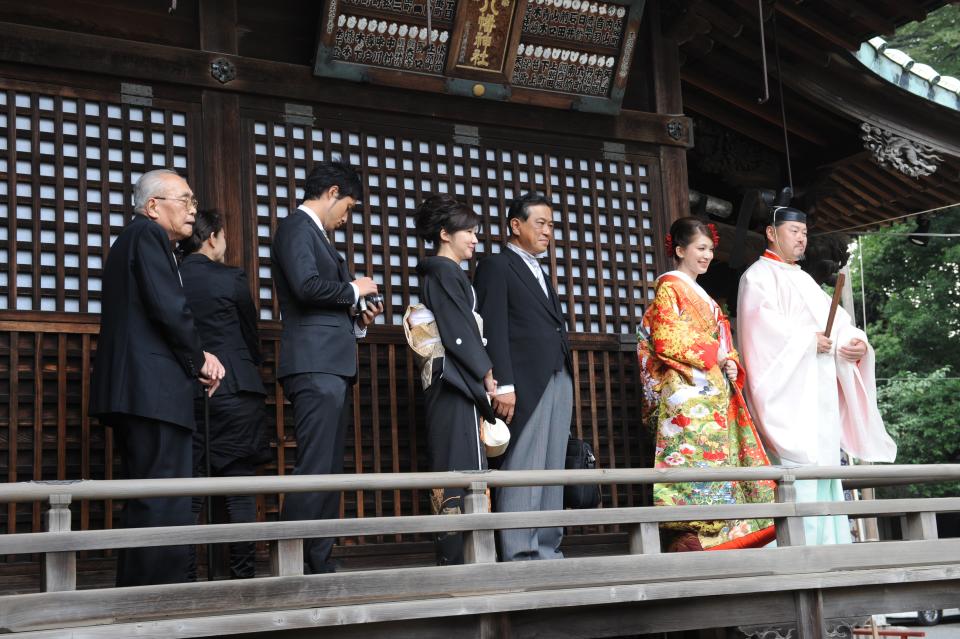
459 381
226 319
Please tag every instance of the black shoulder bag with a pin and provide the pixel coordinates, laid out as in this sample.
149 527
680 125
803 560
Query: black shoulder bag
580 456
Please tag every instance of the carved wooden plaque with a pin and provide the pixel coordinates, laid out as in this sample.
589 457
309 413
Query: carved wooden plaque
572 54
482 39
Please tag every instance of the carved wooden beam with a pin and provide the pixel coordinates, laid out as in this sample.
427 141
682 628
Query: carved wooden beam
820 25
746 101
47 48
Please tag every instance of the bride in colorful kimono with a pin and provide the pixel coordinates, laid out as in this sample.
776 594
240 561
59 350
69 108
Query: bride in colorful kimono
692 399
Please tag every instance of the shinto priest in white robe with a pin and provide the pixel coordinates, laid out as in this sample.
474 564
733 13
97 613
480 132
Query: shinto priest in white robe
807 405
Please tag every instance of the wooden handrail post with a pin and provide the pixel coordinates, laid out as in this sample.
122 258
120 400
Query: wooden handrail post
59 568
478 545
789 529
286 558
919 526
809 604
645 538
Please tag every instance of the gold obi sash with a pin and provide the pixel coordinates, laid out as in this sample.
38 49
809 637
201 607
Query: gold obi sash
423 337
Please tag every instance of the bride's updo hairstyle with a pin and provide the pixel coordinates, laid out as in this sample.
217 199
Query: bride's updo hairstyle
685 230
443 212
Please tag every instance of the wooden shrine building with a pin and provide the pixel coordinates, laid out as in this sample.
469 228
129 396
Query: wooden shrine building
626 114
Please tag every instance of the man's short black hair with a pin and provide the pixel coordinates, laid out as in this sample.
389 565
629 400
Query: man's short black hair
520 207
334 173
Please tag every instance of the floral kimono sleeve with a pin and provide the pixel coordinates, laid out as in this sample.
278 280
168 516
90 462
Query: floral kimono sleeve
732 353
677 336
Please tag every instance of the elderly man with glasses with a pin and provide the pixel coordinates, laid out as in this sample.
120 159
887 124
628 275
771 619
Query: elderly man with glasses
148 362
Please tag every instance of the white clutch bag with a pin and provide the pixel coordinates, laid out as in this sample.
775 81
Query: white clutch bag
495 437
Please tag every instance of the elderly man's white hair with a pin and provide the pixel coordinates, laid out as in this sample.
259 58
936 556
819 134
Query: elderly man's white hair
149 185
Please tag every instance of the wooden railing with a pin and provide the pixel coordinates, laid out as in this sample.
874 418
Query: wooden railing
792 584
46 434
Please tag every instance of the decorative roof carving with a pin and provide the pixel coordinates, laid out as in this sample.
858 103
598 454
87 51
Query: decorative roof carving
896 152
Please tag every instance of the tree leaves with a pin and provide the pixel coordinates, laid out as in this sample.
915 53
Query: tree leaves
922 414
912 298
935 41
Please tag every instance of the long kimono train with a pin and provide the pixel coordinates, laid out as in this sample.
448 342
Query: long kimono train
699 417
455 397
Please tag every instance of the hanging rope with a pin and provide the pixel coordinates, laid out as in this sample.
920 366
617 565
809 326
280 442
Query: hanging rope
948 235
863 289
783 103
763 99
889 219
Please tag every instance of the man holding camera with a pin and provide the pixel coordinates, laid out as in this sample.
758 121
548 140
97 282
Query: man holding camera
324 311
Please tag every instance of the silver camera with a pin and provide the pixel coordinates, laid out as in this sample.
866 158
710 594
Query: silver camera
369 300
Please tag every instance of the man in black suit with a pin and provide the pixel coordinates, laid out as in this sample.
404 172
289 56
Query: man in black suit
527 343
148 361
318 351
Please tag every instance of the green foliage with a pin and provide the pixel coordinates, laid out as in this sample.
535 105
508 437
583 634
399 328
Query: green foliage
921 414
913 322
912 296
935 41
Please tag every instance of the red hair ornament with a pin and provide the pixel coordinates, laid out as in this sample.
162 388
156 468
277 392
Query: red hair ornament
669 245
715 234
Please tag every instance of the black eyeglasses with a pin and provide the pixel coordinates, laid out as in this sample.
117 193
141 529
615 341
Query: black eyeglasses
187 202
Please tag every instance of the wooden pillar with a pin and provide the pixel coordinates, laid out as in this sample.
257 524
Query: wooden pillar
221 148
789 529
809 614
479 548
478 545
286 557
668 100
920 526
59 568
645 538
809 603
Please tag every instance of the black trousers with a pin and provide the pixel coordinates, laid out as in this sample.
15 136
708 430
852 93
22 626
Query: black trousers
237 446
152 449
241 509
320 411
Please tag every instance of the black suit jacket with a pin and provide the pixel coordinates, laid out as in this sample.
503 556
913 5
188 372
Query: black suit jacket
525 330
149 352
313 286
226 318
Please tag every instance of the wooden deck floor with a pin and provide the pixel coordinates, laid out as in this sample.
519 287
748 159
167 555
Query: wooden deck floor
613 585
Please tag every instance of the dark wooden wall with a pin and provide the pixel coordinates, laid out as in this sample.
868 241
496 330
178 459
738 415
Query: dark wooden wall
77 128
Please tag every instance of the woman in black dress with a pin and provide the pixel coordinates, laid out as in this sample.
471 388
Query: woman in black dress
460 380
226 319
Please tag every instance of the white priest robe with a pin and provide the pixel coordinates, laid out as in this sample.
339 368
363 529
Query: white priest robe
807 405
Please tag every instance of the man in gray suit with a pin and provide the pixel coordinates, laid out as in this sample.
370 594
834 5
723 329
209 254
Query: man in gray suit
527 343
